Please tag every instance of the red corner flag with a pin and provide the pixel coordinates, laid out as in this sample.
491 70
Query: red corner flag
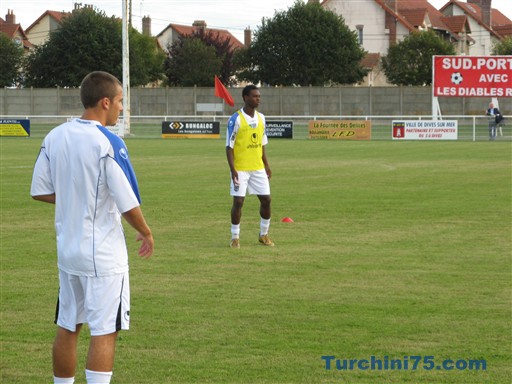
222 92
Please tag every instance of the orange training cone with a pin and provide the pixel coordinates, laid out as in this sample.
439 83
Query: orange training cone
286 220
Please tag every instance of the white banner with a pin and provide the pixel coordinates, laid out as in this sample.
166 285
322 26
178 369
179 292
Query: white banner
425 130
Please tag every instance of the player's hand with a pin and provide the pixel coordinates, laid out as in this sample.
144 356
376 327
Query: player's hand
234 176
269 173
146 248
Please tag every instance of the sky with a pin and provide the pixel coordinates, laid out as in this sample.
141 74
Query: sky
233 15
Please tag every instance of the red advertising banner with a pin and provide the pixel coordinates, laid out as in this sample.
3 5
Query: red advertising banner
472 76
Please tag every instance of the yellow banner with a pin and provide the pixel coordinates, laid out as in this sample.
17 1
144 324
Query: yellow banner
340 129
16 128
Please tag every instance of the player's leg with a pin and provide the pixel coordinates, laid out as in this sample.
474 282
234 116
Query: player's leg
236 209
236 216
260 185
265 212
69 316
65 352
107 304
238 192
100 360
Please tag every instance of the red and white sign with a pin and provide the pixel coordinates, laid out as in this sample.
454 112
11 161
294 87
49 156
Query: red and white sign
425 129
472 76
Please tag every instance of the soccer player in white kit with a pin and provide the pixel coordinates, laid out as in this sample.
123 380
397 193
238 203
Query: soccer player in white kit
85 170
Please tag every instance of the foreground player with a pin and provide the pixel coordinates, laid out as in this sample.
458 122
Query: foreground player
85 171
245 150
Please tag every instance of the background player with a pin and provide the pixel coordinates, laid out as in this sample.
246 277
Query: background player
250 171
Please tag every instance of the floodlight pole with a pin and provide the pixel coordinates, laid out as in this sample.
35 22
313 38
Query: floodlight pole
125 129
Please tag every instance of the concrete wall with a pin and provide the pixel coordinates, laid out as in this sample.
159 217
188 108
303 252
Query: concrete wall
285 101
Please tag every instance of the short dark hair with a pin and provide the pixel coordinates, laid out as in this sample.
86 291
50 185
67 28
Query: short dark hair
247 90
97 85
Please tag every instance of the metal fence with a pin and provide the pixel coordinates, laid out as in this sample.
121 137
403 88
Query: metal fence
470 128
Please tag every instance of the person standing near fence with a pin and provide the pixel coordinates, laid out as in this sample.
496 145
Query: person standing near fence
250 171
494 117
86 172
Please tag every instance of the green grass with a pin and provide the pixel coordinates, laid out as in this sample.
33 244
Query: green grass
397 249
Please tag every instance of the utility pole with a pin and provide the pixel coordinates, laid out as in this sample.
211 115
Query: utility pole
125 128
130 14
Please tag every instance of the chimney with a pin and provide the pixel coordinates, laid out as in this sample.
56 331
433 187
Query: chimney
146 26
199 25
247 37
391 4
485 7
10 18
486 12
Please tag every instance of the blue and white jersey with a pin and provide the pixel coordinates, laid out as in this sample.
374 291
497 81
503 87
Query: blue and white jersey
89 170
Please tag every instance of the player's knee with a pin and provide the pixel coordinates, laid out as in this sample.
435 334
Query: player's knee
265 200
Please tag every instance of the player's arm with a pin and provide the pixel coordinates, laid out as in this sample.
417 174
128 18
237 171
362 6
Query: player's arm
231 162
265 162
45 198
136 219
233 125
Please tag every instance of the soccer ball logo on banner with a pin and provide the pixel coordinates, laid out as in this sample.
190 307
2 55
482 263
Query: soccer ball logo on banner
456 78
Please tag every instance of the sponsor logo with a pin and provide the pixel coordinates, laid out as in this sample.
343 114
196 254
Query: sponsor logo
123 153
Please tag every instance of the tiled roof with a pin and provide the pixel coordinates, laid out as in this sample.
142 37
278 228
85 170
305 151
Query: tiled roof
473 10
53 14
457 24
185 30
415 16
504 30
498 18
14 30
371 60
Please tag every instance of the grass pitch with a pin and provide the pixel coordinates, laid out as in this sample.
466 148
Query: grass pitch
397 249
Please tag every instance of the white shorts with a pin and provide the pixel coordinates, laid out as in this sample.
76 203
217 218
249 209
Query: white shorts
102 302
254 182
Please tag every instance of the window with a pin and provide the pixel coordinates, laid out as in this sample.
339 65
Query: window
359 28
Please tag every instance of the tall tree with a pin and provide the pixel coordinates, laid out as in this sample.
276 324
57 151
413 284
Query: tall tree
146 59
221 48
88 40
409 62
305 45
10 61
191 62
504 47
225 51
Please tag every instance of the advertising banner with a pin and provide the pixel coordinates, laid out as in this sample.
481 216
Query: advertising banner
340 129
425 129
472 76
280 129
191 129
15 128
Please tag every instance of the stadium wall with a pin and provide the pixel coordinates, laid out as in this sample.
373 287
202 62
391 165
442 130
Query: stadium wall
285 101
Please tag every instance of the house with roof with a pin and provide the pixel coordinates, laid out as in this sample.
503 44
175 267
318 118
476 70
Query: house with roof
39 31
488 25
381 23
173 32
14 31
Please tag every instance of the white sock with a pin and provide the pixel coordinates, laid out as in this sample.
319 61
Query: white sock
264 226
95 377
235 231
63 380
